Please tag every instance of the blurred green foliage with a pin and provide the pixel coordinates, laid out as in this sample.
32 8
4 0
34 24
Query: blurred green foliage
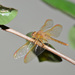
63 5
72 37
7 14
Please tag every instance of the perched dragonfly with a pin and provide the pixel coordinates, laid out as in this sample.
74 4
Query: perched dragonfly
47 32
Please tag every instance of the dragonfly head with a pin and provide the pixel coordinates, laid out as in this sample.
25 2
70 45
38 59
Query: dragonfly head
33 34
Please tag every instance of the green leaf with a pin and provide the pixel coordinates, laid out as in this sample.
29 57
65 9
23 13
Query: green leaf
46 55
7 14
29 34
72 37
63 5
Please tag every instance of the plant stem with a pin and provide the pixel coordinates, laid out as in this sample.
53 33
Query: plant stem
38 43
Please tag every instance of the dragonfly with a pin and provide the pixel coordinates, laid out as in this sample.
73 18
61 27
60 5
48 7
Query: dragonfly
47 32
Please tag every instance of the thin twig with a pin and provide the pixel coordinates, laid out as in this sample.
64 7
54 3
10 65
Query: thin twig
39 44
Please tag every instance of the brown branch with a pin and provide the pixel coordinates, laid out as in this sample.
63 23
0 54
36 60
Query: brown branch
38 43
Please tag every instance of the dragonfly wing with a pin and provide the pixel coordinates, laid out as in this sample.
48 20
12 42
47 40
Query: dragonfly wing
22 51
54 31
35 51
48 23
30 55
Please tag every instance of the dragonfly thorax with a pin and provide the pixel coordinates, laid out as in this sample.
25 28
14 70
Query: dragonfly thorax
38 35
